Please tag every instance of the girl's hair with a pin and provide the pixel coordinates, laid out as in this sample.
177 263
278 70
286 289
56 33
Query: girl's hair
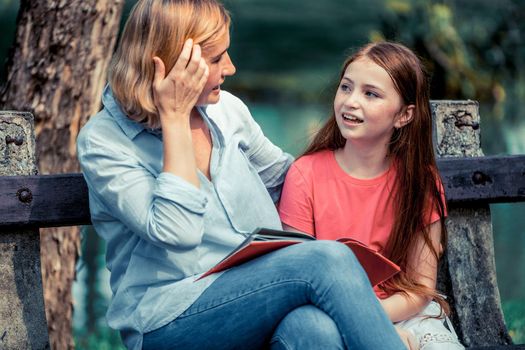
159 28
412 150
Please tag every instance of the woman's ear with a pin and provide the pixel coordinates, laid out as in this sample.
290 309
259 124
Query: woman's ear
404 117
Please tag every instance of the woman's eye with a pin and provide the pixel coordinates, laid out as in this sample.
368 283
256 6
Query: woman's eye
371 94
216 60
345 87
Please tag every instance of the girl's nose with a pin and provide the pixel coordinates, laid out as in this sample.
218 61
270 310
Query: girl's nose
351 100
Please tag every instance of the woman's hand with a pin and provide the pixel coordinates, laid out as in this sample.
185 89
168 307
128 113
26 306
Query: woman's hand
176 93
407 338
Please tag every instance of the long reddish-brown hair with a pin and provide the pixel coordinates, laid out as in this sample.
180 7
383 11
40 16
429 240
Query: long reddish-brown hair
417 184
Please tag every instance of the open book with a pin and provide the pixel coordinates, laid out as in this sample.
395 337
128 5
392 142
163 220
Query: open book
263 241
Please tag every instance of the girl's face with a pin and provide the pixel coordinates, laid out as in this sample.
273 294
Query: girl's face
220 66
367 106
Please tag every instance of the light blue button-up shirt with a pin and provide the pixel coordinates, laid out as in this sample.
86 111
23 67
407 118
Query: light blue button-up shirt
161 231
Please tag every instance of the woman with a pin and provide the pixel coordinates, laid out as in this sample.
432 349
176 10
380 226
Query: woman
178 173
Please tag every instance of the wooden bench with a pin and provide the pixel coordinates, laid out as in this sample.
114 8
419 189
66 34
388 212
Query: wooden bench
467 273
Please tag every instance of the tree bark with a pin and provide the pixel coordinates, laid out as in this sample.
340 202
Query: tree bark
57 71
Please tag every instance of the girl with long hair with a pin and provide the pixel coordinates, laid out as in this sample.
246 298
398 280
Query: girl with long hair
179 174
370 174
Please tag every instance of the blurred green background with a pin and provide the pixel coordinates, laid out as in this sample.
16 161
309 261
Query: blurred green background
288 54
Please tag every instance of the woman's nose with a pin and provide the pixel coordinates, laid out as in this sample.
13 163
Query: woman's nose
229 68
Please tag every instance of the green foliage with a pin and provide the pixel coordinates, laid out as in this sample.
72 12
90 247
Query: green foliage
514 311
92 331
104 338
474 48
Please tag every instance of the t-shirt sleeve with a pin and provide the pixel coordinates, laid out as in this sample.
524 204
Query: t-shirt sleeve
436 215
296 205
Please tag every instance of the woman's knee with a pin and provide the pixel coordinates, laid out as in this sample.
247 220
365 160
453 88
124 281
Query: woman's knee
306 327
331 260
325 256
327 252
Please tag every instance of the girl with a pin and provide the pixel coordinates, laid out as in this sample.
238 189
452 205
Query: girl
370 174
178 174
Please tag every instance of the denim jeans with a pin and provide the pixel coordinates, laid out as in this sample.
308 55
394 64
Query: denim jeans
313 295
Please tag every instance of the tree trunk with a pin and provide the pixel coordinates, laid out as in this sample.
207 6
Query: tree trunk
57 71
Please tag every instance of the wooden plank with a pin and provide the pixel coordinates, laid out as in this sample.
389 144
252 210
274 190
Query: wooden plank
43 201
481 180
62 200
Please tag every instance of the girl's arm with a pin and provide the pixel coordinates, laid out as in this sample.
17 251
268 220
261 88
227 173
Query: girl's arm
296 205
401 306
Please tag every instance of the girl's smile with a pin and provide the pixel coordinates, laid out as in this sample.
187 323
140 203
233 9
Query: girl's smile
350 119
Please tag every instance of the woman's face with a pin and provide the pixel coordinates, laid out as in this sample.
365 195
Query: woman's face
220 66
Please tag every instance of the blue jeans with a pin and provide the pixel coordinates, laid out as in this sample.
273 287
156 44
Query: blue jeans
313 295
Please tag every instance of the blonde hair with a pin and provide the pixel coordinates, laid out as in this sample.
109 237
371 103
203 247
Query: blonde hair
159 28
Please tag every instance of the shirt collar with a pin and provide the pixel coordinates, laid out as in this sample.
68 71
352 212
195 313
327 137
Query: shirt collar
130 127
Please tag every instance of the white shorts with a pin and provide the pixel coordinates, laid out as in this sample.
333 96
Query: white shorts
432 333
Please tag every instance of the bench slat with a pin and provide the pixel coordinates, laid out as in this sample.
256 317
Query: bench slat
62 200
50 200
483 180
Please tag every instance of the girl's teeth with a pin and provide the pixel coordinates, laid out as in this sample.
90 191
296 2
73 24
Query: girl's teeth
352 119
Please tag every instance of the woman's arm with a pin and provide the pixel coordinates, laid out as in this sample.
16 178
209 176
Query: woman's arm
399 306
175 96
167 209
270 162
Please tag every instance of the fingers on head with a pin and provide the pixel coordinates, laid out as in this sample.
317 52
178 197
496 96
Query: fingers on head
205 72
193 64
203 66
185 55
160 69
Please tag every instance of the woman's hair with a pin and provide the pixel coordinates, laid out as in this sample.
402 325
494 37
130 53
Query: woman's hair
412 152
159 28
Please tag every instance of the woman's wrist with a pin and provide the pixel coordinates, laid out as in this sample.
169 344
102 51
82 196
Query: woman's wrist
174 120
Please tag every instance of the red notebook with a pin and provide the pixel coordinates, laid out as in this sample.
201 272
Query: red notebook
262 241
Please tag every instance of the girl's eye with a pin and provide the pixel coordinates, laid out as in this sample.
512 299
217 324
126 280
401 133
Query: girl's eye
371 94
345 87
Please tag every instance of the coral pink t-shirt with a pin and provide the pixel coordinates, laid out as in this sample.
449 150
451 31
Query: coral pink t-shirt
321 199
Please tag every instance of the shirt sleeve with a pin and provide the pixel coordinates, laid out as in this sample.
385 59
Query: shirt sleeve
165 210
296 205
270 162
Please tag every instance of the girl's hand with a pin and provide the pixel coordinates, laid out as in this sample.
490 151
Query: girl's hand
407 338
176 94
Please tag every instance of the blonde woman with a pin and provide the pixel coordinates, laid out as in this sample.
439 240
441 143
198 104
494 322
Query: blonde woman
178 173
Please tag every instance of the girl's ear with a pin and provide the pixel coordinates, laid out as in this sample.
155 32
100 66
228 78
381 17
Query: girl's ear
404 117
